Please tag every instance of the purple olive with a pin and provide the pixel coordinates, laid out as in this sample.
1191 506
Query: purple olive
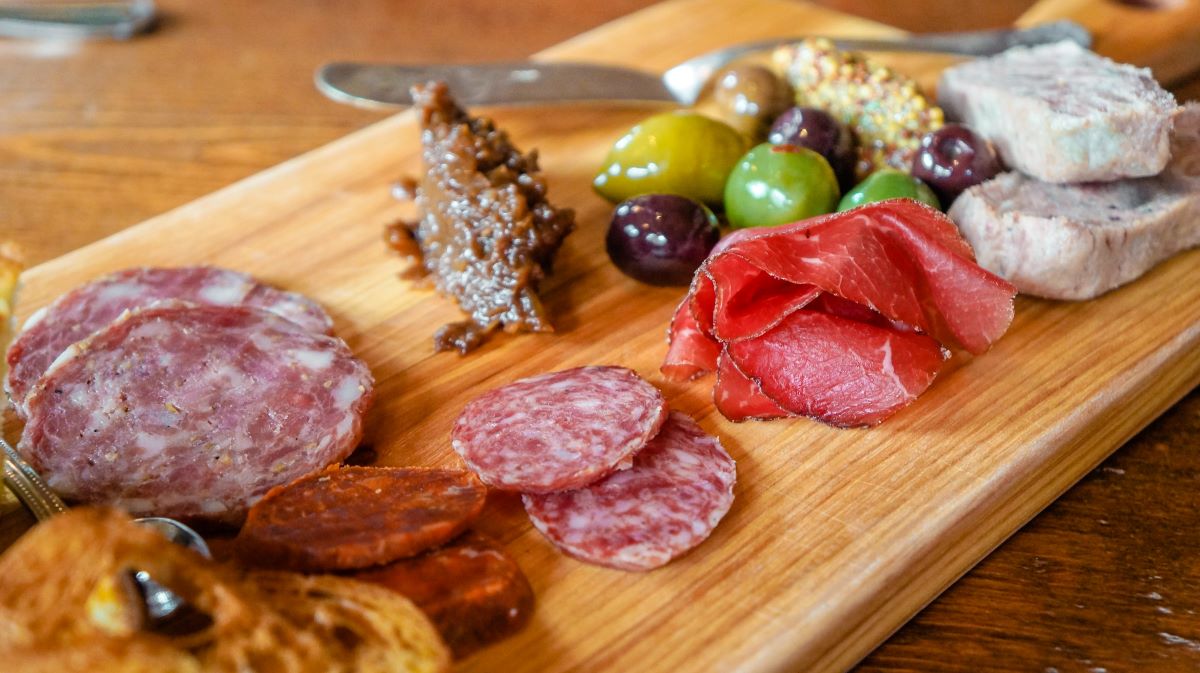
820 132
953 158
660 239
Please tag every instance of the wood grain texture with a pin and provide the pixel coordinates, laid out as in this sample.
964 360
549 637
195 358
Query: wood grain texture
837 537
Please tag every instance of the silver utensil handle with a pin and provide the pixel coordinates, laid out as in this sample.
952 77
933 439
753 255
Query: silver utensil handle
29 487
117 19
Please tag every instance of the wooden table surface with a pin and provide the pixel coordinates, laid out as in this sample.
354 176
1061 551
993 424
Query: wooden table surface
95 137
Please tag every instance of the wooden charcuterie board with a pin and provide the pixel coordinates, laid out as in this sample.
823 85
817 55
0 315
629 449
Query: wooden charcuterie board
837 536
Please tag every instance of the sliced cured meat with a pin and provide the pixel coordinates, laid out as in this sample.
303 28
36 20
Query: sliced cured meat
194 411
560 430
840 371
87 308
900 258
838 317
471 589
691 353
669 501
355 517
739 398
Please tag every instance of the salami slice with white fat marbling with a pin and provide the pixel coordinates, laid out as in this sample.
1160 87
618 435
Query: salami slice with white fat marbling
669 501
90 307
560 430
194 411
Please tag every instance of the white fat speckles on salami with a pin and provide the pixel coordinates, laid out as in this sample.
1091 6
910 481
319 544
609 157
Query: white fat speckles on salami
87 308
559 430
187 410
679 488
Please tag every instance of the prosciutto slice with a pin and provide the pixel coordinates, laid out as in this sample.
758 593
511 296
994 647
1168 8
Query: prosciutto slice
846 318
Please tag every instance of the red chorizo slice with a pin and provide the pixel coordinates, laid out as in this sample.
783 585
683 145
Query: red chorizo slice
355 517
560 430
679 488
471 589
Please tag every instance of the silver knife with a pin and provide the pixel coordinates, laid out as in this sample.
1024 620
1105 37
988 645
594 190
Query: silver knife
526 82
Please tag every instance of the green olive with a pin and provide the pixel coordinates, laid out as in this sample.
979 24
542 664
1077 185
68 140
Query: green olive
777 184
888 183
680 153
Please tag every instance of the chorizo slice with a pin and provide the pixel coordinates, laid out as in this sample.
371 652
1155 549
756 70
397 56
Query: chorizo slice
471 589
356 517
679 488
560 430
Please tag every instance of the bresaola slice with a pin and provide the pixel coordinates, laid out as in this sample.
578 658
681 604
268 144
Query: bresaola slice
560 430
669 501
841 371
845 318
92 306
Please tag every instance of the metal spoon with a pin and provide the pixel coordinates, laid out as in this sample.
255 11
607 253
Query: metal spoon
118 19
32 490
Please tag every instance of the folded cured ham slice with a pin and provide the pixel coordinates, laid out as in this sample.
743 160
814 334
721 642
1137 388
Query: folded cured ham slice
845 318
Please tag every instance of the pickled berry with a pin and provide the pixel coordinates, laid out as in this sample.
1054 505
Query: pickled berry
661 239
777 184
953 158
888 183
820 132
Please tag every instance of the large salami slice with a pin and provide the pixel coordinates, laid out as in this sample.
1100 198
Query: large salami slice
356 517
194 411
87 308
472 590
560 430
672 498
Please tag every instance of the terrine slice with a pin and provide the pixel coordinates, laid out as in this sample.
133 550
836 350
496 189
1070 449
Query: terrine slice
1061 113
1079 241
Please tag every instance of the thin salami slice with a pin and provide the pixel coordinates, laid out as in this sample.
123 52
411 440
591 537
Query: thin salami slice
194 411
355 517
560 430
672 498
87 308
471 589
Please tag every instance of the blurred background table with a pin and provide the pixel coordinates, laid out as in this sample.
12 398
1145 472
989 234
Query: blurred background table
95 137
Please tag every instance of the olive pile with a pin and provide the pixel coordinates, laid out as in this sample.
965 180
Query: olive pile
670 172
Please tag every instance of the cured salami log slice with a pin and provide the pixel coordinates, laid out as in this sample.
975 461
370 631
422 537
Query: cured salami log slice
355 517
87 308
672 498
471 589
560 430
194 411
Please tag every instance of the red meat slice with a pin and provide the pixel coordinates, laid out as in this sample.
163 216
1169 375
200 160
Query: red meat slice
691 353
838 317
92 306
669 501
895 257
739 398
840 371
558 431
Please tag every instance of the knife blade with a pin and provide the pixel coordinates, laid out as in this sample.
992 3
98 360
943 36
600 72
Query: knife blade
516 82
527 82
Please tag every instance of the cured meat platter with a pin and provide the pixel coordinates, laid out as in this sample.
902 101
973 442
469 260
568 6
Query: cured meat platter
835 537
